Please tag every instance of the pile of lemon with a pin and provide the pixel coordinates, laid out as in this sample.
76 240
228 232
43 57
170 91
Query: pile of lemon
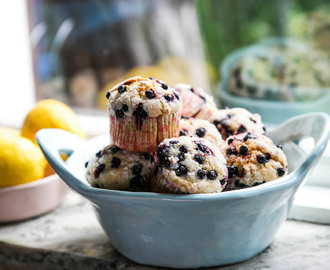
21 160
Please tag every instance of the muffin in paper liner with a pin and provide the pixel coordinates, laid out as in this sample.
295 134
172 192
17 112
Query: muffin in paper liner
253 159
125 135
237 120
188 165
195 101
143 112
117 169
168 126
191 102
161 185
209 107
206 111
200 128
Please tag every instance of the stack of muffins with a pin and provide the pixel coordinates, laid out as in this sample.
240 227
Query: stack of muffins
175 140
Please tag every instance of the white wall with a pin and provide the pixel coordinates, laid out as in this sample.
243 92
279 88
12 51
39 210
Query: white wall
17 94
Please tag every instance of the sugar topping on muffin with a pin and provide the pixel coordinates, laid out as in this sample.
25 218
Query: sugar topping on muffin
117 169
200 128
189 165
253 159
237 120
144 97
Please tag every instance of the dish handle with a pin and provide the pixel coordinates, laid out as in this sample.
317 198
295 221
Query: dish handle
314 125
54 142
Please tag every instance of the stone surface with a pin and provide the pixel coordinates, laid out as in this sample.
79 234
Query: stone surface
70 237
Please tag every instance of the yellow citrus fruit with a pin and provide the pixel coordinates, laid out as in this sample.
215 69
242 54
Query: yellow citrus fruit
21 161
50 113
7 132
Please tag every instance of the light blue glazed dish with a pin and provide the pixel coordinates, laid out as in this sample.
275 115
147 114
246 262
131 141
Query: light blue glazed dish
272 111
197 230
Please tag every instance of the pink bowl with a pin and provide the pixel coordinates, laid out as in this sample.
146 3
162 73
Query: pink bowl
31 199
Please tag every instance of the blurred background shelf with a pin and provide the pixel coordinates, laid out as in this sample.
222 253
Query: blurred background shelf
312 204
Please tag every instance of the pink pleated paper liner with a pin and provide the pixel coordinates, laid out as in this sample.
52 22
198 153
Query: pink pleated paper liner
126 134
160 184
206 112
191 103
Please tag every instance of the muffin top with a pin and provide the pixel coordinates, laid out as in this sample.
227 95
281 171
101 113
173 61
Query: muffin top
114 168
237 120
192 165
200 128
143 97
253 159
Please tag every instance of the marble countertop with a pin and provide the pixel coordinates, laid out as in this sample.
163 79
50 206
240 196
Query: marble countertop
70 237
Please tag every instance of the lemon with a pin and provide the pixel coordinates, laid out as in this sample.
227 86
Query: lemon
21 161
50 113
7 132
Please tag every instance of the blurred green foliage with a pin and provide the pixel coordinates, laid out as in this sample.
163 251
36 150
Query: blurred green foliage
227 25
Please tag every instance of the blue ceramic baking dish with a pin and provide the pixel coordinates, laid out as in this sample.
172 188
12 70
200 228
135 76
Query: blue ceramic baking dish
197 230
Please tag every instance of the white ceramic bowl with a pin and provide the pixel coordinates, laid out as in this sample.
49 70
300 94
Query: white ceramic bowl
195 230
31 199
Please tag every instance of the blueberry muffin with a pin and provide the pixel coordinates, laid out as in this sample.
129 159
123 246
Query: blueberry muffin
143 112
195 101
253 159
237 120
290 71
200 128
117 169
188 165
